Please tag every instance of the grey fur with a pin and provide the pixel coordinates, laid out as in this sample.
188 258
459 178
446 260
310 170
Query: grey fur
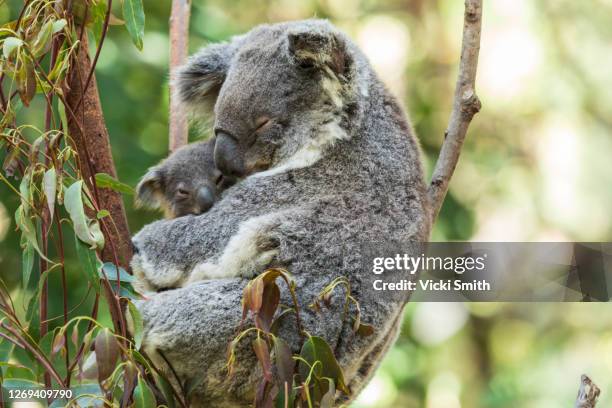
186 182
306 209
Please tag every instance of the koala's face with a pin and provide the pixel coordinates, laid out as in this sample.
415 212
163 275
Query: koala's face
273 90
187 182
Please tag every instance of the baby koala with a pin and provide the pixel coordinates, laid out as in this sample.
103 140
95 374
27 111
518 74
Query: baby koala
186 182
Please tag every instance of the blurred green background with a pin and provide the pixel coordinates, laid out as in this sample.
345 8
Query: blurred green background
536 167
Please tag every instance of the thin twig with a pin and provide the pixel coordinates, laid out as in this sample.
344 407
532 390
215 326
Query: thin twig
465 105
42 359
587 394
179 38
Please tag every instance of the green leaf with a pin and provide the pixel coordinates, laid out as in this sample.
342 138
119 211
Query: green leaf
98 14
285 365
50 189
59 25
28 230
138 325
166 389
24 192
20 383
133 14
85 394
284 362
26 81
10 44
110 269
43 40
89 262
107 353
27 261
316 350
11 162
87 230
102 213
104 180
143 396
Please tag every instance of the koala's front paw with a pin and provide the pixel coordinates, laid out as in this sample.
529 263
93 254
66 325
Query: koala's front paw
206 271
236 267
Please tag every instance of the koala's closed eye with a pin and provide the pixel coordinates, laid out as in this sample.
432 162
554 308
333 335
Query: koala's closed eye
262 124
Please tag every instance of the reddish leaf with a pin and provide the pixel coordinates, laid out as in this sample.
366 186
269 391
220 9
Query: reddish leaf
11 162
263 355
264 397
365 330
75 336
130 373
252 295
26 84
269 304
107 353
285 364
58 343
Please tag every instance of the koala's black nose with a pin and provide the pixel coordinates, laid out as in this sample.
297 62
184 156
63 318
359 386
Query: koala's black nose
135 249
205 198
228 155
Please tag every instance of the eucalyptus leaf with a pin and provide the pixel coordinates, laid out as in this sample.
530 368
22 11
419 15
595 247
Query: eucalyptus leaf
11 44
110 269
87 230
143 396
138 324
316 350
133 14
43 40
26 81
20 384
28 230
27 261
50 189
107 353
104 180
89 262
59 25
166 389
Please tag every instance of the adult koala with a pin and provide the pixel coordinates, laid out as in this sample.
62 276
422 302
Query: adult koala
329 163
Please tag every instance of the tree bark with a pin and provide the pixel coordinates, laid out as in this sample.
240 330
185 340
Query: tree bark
465 105
89 137
179 39
587 394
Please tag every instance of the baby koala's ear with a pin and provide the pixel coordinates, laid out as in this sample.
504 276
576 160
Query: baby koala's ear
149 191
314 47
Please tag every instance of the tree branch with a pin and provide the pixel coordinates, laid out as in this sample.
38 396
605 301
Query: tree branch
465 105
587 394
179 38
90 139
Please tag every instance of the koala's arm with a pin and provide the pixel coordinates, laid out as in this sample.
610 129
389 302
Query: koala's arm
252 248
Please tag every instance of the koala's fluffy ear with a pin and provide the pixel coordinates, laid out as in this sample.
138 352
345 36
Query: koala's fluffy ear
319 48
149 191
198 82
